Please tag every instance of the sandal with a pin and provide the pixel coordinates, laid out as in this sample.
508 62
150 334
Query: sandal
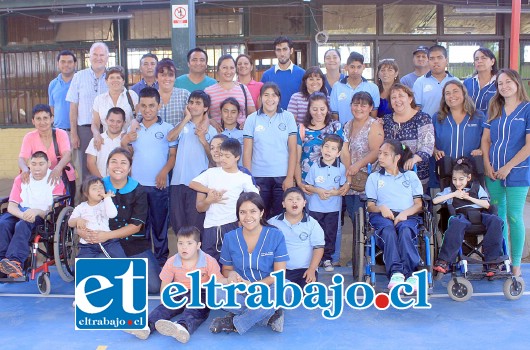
441 266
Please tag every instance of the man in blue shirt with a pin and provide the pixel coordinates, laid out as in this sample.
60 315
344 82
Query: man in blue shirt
421 66
58 88
148 64
286 74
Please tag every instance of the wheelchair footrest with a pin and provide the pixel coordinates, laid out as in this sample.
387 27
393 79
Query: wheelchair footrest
13 280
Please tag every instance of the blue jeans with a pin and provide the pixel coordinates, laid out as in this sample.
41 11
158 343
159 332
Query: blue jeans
191 319
398 243
157 221
270 190
14 237
246 318
153 271
113 248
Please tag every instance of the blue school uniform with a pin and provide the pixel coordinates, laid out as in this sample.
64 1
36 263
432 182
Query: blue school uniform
508 136
458 140
259 264
151 151
342 93
327 177
481 97
270 153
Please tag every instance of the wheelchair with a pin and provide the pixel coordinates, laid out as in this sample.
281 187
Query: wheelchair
52 242
367 257
470 259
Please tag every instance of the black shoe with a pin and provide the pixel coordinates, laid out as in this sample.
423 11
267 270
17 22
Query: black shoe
276 321
223 324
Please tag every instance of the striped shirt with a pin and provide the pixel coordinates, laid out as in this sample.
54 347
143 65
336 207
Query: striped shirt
83 90
218 95
174 271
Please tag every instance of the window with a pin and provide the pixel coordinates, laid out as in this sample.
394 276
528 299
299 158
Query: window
409 19
219 22
349 19
150 24
460 56
274 20
465 23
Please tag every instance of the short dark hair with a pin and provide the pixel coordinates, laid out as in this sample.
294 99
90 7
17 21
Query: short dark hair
165 63
333 138
120 150
41 108
400 149
116 110
232 101
355 56
189 231
200 94
87 182
437 48
40 154
362 96
196 49
283 39
233 146
147 92
149 55
66 53
294 189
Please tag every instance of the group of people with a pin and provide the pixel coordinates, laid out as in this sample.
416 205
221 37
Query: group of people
253 175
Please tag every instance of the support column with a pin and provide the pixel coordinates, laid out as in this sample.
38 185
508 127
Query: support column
183 32
514 34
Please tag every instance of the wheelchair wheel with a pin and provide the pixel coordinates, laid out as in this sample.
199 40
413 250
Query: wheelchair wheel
459 289
358 247
65 245
513 288
44 284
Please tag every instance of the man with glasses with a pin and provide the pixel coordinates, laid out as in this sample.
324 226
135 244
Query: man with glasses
148 64
85 86
58 88
286 74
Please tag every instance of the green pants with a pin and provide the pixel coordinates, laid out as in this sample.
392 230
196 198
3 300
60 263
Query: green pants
510 202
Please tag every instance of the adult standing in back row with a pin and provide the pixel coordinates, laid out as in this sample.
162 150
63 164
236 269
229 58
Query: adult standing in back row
286 74
85 86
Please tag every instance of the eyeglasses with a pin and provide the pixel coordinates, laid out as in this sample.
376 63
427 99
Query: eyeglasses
96 85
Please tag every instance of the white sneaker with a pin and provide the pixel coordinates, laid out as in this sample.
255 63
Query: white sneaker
142 334
397 277
328 266
413 281
173 329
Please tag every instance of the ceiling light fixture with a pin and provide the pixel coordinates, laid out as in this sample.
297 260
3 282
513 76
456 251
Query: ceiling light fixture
90 17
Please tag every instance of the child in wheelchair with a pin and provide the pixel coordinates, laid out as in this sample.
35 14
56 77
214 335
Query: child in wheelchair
94 214
28 206
470 202
394 199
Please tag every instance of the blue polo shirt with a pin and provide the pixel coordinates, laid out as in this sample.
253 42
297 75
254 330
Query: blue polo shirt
259 264
508 136
396 192
329 88
288 81
191 156
327 177
270 153
458 140
300 238
481 97
428 92
151 150
340 99
57 99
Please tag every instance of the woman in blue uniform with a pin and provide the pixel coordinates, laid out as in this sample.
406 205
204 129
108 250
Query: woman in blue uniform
481 86
506 148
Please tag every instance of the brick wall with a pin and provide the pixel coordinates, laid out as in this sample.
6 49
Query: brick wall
10 141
